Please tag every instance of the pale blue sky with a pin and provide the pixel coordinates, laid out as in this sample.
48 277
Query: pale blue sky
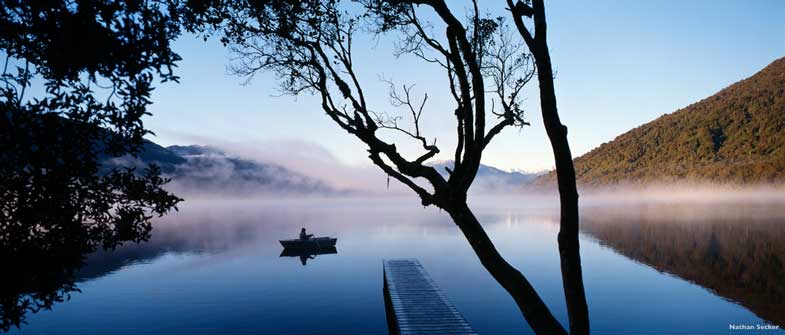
619 64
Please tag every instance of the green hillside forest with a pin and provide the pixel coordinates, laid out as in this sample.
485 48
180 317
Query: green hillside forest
736 136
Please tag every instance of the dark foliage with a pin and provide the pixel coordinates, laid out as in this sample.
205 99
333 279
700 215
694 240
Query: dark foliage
734 136
96 61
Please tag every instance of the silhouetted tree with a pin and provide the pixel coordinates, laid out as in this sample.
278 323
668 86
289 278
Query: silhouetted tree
308 44
95 62
569 247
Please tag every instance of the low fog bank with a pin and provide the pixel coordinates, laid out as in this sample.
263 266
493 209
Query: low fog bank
301 169
265 168
217 222
311 160
682 193
689 196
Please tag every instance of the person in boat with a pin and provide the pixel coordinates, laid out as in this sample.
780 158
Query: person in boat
304 235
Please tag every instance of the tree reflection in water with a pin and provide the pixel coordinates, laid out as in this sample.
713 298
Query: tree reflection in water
35 279
735 250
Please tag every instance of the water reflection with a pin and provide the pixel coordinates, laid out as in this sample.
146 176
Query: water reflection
222 262
35 281
734 250
38 275
307 254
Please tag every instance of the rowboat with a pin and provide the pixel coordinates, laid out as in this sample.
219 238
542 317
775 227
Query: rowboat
311 243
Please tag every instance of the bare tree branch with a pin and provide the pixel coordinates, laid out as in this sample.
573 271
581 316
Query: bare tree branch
308 44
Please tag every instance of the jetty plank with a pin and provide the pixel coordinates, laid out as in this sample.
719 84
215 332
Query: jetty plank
415 304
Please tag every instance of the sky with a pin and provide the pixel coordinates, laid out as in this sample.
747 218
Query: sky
618 64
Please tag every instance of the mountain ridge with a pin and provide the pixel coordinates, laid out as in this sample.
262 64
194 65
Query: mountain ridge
735 136
205 169
490 178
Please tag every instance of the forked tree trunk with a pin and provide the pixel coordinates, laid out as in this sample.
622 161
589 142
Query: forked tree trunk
529 302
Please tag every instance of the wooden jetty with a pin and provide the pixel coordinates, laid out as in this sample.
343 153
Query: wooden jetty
415 305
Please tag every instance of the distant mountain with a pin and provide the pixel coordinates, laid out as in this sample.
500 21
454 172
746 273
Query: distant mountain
209 170
490 178
165 158
204 169
734 136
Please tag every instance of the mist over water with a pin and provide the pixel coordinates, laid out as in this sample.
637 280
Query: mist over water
650 265
305 158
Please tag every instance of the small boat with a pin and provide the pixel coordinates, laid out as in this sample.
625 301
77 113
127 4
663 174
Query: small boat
311 243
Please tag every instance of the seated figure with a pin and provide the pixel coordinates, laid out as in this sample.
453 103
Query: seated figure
304 236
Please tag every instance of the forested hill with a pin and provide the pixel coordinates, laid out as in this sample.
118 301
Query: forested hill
734 136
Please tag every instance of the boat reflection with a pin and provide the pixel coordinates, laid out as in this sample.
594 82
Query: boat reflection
307 254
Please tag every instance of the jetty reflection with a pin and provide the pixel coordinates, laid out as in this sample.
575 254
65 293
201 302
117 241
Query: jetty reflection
737 253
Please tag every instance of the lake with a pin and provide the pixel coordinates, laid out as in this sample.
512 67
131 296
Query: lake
215 267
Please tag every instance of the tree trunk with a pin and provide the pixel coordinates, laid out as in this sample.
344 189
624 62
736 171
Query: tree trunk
531 305
569 248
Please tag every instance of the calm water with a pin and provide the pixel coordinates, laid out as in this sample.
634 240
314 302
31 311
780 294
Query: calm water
215 267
